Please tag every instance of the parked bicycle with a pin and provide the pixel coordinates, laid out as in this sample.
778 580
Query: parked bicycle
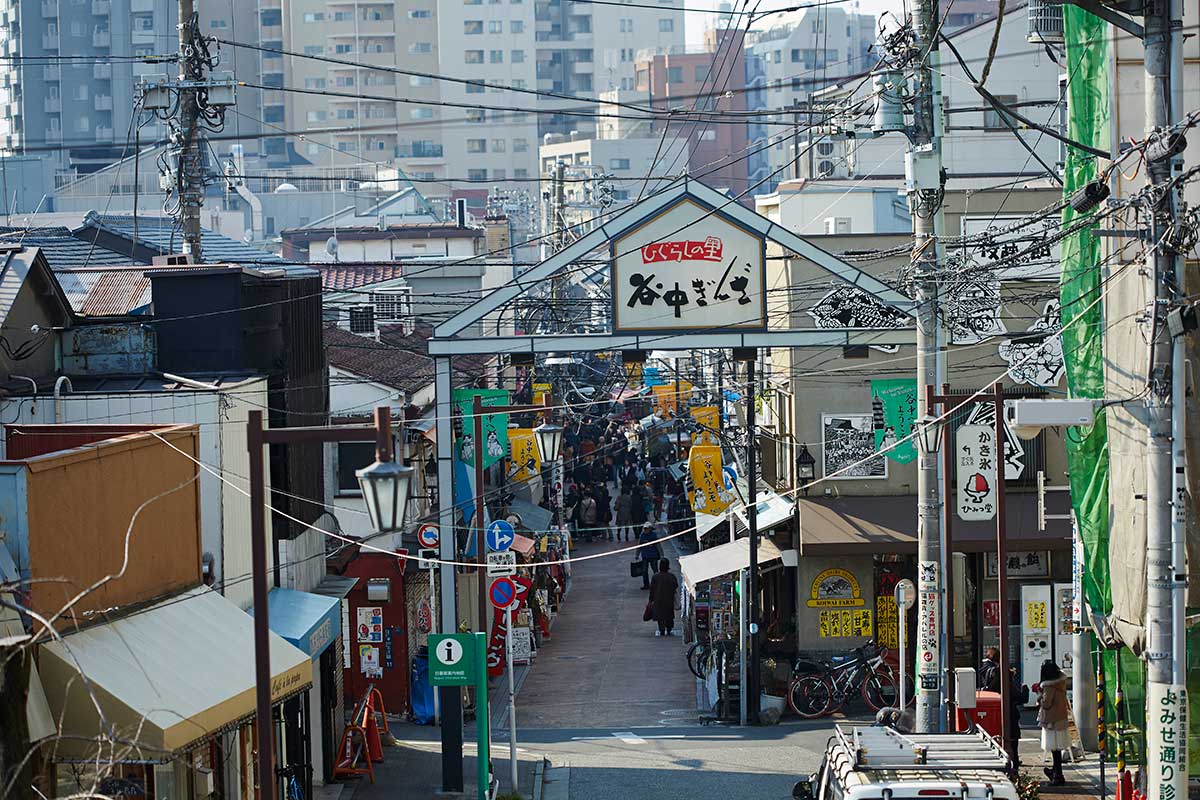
818 688
703 656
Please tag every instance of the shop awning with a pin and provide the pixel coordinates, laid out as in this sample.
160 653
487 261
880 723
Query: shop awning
166 676
888 525
311 622
772 511
722 560
523 545
535 518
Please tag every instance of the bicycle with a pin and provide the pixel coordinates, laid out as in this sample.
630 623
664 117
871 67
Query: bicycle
702 656
819 688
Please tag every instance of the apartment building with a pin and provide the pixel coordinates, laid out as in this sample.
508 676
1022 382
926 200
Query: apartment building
78 111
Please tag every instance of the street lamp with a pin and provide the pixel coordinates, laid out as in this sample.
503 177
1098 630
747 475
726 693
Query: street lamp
549 440
806 466
385 487
930 434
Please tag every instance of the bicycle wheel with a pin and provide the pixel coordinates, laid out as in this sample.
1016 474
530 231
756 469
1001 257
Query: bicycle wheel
810 696
879 691
696 657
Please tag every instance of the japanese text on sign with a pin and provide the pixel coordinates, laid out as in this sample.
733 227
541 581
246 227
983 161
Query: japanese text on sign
688 268
887 623
975 461
928 631
840 623
1167 737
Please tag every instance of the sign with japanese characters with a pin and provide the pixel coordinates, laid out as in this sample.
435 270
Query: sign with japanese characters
370 623
928 628
688 267
975 460
709 493
1021 564
839 623
893 411
526 458
708 422
1167 741
494 426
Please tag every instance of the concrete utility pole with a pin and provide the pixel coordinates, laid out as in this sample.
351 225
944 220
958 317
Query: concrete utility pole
1166 570
190 178
924 184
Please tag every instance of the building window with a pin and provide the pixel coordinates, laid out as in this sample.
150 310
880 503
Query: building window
666 26
795 55
416 48
345 113
496 56
315 16
476 145
520 173
473 27
674 74
520 145
418 80
499 174
271 17
518 56
393 304
316 116
353 456
218 23
499 145
476 115
474 87
473 57
419 13
496 26
618 163
477 174
516 26
342 48
625 25
344 80
313 50
702 72
421 113
518 83
994 119
314 83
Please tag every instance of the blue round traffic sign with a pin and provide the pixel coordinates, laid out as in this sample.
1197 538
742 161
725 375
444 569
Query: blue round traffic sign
500 535
428 535
502 592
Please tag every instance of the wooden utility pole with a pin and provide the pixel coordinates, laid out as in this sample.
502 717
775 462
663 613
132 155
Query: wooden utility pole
189 176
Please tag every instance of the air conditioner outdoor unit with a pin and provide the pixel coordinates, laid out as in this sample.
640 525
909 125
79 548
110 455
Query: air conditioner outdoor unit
837 225
362 320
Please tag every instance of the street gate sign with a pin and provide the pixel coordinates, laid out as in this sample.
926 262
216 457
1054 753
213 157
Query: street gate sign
501 564
975 460
452 659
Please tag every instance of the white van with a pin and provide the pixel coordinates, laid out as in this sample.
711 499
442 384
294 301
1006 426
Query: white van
877 763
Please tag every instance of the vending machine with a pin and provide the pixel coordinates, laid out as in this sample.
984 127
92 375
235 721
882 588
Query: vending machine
1037 632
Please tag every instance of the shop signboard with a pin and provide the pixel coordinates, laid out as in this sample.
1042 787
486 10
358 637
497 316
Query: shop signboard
494 427
709 494
709 421
688 268
1021 564
368 660
975 462
894 410
928 630
526 458
835 588
522 645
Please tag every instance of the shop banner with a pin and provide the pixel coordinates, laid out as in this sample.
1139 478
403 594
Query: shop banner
499 638
708 418
540 392
709 493
495 426
526 458
666 400
897 400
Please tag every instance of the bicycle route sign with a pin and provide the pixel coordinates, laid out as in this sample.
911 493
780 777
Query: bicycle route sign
452 659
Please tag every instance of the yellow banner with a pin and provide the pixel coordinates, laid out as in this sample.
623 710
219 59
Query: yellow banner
540 390
708 495
526 460
634 372
709 421
665 401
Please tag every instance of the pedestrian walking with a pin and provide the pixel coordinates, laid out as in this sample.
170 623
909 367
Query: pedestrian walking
664 593
1052 719
649 552
624 506
587 516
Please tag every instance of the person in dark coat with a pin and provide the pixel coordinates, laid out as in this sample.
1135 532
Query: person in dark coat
637 507
989 681
663 591
649 552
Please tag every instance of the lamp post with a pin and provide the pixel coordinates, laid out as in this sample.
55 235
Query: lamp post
385 486
806 468
550 439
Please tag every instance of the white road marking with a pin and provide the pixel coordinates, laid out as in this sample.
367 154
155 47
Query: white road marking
629 737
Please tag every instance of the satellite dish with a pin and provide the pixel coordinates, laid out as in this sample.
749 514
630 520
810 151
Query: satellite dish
285 188
248 236
331 246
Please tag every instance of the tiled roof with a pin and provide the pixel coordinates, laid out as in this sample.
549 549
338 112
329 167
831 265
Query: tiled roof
345 277
62 249
162 234
398 359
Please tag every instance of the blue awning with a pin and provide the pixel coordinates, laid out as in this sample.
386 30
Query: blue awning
311 622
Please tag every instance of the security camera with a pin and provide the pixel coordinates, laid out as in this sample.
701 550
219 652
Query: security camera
1028 417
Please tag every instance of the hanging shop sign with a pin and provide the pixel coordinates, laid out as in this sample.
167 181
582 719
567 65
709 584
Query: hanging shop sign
688 267
495 426
975 462
526 459
1014 449
541 391
928 624
894 408
709 420
709 492
835 588
522 644
666 404
1021 564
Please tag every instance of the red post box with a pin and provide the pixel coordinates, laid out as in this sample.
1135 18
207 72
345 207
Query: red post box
986 714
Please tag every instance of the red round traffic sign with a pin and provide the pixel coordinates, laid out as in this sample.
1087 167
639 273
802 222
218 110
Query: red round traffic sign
428 535
502 592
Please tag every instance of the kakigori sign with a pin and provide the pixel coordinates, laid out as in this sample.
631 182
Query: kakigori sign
688 267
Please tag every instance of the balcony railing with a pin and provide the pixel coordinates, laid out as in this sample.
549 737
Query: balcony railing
49 9
101 8
101 39
102 72
104 133
418 150
49 41
53 105
103 102
52 72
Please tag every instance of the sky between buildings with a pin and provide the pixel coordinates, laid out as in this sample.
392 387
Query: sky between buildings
698 20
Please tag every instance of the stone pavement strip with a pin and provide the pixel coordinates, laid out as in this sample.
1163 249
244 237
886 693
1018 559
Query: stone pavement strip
603 666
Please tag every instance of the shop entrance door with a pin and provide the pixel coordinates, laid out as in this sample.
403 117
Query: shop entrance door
329 724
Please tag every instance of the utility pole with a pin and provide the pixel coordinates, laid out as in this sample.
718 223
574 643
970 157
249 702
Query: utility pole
924 184
189 177
1166 492
753 698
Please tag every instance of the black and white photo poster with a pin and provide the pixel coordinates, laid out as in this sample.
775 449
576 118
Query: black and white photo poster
848 439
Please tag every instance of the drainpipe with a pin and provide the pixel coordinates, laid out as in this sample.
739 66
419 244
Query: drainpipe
33 383
58 401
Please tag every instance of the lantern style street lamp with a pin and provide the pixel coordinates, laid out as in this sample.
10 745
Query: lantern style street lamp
930 434
385 488
806 466
549 439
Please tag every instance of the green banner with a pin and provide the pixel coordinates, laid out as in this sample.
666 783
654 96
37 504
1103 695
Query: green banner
897 399
1082 313
495 426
